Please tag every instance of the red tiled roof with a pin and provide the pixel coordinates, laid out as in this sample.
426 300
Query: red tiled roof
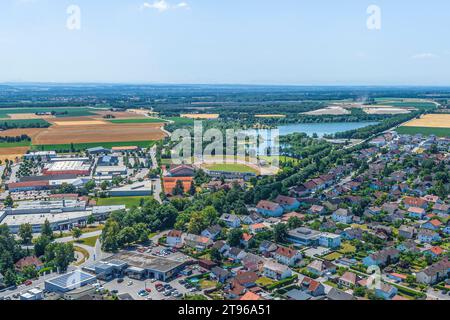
267 205
27 184
286 252
251 296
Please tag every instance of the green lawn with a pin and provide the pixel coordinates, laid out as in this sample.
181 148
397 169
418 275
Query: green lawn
141 120
440 132
88 241
347 248
230 167
23 143
127 201
264 282
83 146
332 256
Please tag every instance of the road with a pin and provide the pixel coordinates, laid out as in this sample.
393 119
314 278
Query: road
83 236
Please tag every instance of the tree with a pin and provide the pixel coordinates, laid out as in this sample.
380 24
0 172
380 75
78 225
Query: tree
9 202
127 236
178 189
40 244
26 233
10 278
60 255
76 233
104 185
109 235
280 232
215 254
91 219
47 230
90 185
234 237
294 222
192 189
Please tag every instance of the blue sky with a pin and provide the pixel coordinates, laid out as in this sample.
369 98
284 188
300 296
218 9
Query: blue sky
226 41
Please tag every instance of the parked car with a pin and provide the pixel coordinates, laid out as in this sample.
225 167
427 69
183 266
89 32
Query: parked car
120 280
28 283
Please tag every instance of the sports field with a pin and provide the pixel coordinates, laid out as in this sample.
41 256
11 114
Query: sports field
230 167
127 201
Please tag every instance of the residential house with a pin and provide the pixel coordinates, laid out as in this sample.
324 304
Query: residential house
231 220
320 268
235 254
30 261
352 233
447 228
317 210
435 251
245 240
252 218
221 246
253 262
267 247
257 227
212 232
382 258
269 209
312 287
348 279
415 202
251 296
220 274
436 272
339 295
432 225
197 242
288 203
441 210
386 291
416 212
407 232
408 246
330 240
342 216
276 271
428 236
287 256
247 279
174 238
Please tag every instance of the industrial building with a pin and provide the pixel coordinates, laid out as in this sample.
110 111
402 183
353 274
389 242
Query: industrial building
69 281
144 188
77 167
141 265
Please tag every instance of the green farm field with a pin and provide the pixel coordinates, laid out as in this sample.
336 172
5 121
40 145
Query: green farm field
15 144
440 132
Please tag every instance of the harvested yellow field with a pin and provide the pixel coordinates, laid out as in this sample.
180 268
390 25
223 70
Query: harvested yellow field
79 123
204 116
386 110
31 132
27 116
12 153
270 116
332 110
431 121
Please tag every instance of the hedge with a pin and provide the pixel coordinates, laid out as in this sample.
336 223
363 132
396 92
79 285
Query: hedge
282 283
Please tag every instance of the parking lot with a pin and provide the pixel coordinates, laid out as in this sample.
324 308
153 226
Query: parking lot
147 289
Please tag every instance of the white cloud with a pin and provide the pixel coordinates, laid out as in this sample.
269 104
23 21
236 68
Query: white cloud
422 56
162 5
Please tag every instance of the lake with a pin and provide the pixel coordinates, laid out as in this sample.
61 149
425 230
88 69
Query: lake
320 129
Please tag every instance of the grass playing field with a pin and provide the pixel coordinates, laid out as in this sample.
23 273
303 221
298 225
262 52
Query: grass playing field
83 146
440 132
127 201
230 167
142 120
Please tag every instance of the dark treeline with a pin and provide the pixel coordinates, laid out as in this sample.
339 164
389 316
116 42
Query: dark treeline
22 137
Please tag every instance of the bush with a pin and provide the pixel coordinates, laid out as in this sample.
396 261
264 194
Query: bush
282 283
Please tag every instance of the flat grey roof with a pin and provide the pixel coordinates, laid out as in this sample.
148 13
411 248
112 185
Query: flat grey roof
71 280
145 261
